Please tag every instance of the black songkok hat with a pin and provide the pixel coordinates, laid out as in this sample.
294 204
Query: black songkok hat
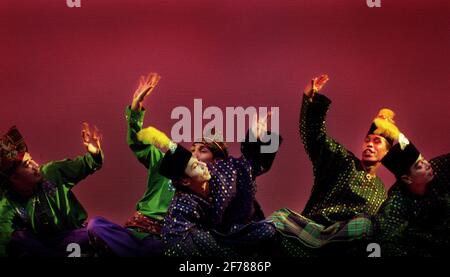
399 160
174 164
12 150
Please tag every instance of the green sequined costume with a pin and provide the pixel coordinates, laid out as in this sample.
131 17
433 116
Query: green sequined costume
413 225
342 190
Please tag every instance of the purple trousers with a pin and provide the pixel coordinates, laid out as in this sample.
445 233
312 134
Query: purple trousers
109 238
64 244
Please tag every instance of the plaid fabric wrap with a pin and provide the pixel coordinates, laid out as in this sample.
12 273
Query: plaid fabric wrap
311 234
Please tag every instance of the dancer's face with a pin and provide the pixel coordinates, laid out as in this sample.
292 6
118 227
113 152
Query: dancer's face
25 177
420 173
374 148
197 171
201 152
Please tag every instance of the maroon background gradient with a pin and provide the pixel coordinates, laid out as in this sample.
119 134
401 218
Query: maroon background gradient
62 66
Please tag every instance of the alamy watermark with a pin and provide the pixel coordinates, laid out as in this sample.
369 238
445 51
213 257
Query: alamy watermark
234 124
73 3
77 3
373 3
74 251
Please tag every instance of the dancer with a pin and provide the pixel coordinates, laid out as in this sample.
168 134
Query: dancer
345 187
143 230
40 213
204 193
415 219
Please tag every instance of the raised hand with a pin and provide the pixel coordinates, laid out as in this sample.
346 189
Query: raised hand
316 85
259 127
91 139
145 88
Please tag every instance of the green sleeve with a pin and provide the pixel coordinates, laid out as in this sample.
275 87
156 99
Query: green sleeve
72 171
147 154
441 168
6 225
324 152
391 221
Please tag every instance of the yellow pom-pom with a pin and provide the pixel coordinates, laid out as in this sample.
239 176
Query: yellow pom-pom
386 114
151 135
386 129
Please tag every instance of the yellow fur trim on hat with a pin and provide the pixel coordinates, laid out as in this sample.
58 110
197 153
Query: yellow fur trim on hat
386 114
386 125
151 135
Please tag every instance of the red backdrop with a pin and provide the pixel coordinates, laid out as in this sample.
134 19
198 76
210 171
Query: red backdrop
62 66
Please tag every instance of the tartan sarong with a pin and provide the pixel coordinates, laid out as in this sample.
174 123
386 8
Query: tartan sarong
311 234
